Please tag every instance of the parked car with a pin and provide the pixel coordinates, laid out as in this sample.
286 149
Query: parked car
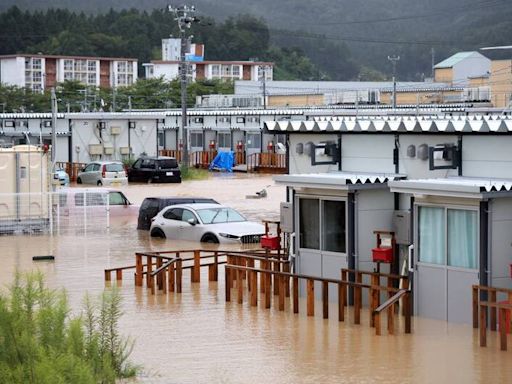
72 201
62 176
103 173
152 205
155 170
210 223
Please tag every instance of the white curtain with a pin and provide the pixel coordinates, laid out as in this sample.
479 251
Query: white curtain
432 234
462 238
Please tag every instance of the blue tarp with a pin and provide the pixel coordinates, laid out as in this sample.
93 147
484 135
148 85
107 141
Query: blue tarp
224 161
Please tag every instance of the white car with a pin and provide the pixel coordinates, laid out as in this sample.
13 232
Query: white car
210 223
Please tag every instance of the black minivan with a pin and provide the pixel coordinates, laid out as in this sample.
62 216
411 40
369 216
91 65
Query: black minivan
155 170
152 205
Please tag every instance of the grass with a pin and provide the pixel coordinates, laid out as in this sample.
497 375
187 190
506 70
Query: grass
190 173
40 342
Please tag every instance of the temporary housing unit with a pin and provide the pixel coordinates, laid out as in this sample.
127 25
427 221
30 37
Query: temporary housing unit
443 185
24 186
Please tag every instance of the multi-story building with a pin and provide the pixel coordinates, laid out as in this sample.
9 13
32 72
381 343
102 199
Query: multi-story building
39 72
200 69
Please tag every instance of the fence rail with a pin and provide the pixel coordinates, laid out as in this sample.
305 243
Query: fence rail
266 162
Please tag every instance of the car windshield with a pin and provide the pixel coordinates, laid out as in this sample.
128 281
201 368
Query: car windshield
219 215
114 167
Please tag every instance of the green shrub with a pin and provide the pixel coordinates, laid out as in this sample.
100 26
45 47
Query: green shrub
40 342
190 173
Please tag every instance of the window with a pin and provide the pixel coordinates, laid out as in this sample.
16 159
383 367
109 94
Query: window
116 198
168 164
215 70
219 215
253 119
173 214
333 226
236 71
223 119
36 77
148 163
91 65
36 63
309 223
187 215
198 120
68 65
448 237
224 140
196 139
68 75
89 168
253 140
114 167
226 70
137 164
91 78
240 120
121 66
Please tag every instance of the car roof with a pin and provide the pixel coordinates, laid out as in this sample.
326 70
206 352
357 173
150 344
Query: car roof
197 206
105 162
81 190
178 198
157 158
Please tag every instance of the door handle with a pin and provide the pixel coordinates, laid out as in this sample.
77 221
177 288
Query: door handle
410 251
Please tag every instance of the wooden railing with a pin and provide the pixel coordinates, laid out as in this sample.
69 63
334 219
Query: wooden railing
390 305
202 159
72 169
239 158
235 277
490 303
176 153
266 162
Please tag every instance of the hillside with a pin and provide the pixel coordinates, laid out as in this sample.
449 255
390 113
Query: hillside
370 29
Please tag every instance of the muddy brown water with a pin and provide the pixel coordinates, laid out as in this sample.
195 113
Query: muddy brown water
196 337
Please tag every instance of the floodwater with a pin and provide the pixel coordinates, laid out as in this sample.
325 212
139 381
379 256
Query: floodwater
196 337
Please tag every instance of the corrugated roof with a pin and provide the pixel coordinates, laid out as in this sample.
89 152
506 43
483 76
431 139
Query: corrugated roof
454 59
343 180
474 124
460 186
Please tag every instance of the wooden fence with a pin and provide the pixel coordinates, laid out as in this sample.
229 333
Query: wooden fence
72 169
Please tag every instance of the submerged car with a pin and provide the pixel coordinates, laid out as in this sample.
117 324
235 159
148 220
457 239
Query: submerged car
62 176
152 205
103 173
160 169
210 223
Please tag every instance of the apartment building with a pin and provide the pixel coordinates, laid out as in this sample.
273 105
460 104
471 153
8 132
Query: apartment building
39 72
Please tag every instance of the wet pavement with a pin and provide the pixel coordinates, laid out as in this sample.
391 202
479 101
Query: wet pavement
196 337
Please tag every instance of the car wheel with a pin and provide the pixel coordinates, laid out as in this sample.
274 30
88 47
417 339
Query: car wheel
209 238
157 232
79 181
99 183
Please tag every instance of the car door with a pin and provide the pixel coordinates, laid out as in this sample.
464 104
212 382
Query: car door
95 174
85 176
188 231
171 223
118 204
134 173
148 169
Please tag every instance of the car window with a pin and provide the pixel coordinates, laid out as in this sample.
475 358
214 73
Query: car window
167 163
91 199
173 214
137 164
148 163
219 215
116 198
89 168
187 215
96 167
114 167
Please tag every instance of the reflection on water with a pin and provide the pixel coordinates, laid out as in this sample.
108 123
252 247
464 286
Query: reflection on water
196 337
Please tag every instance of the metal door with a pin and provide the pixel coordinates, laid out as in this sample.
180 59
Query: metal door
446 262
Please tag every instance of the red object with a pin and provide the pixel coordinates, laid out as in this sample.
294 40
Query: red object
384 255
212 144
270 145
507 317
240 146
103 171
46 148
270 242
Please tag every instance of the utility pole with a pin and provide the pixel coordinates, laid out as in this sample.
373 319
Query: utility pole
130 129
184 17
394 60
433 53
54 128
114 97
264 85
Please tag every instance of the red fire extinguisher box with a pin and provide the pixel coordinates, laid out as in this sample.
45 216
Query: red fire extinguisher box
270 242
384 255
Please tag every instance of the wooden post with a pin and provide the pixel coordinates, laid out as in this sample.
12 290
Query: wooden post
196 270
391 319
263 265
228 283
407 311
211 271
179 275
325 299
377 323
475 306
295 283
240 286
107 275
483 336
286 268
254 291
149 269
282 291
170 276
503 328
119 274
159 275
310 297
250 264
344 278
374 297
216 269
358 299
341 301
268 290
492 299
139 270
405 286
